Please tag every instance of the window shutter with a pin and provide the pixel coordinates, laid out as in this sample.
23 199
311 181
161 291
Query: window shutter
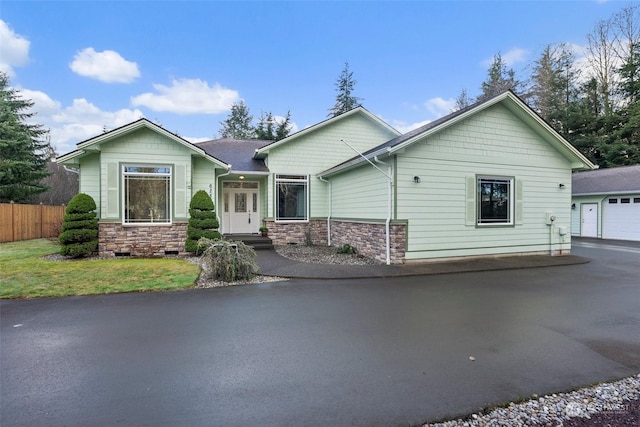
471 201
518 204
113 177
180 186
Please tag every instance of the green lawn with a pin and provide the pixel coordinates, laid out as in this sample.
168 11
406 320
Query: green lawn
24 274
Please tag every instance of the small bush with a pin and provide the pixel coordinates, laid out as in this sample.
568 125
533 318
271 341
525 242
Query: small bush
79 237
347 249
202 221
226 260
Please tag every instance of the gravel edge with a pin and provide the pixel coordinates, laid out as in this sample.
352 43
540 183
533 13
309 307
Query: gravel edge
555 409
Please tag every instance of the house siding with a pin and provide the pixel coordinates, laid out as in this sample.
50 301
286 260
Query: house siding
143 147
319 151
90 178
493 143
360 194
203 177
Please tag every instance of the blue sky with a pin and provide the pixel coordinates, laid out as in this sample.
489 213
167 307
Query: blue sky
90 65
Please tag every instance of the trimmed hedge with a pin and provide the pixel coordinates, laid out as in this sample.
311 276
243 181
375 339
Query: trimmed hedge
79 237
202 221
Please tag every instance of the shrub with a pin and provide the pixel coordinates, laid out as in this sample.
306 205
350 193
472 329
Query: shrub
226 260
347 249
202 221
79 237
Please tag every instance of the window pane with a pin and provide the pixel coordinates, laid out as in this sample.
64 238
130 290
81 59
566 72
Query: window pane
147 170
147 199
241 202
292 201
494 201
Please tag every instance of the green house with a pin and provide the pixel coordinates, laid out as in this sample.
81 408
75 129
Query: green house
491 179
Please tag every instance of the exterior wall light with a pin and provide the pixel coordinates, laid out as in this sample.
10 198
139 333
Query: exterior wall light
560 185
416 179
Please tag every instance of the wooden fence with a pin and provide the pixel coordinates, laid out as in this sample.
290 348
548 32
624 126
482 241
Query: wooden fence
26 222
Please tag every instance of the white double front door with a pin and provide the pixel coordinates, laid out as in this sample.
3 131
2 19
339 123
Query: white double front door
241 208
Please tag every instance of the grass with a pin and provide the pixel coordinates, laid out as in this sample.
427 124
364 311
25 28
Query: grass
25 274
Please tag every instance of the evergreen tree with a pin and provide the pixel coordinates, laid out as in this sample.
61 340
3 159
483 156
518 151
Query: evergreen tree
202 221
238 123
345 100
79 237
553 86
463 100
499 79
269 128
625 148
23 157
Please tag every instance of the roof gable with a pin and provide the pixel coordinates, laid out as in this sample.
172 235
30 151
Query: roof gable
262 152
93 144
514 104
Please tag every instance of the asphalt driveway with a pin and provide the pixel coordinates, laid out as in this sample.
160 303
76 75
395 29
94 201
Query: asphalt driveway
348 352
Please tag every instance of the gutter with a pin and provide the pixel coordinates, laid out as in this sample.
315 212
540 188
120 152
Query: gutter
330 209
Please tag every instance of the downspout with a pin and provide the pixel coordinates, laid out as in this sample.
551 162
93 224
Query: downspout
388 221
228 172
390 178
330 209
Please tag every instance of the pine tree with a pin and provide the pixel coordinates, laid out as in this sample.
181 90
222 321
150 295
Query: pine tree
553 86
499 79
23 157
272 129
462 101
345 100
238 123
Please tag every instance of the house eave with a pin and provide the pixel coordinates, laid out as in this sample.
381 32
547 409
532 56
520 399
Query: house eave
606 193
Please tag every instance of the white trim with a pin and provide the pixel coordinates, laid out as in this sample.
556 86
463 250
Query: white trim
276 197
511 181
170 194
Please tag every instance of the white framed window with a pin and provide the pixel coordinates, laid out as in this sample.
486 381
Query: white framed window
495 200
146 195
292 197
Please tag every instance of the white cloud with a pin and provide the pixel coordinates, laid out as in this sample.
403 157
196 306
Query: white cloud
196 139
14 49
404 127
77 122
188 96
107 66
439 107
510 57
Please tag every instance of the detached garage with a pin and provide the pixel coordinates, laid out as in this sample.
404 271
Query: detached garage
606 203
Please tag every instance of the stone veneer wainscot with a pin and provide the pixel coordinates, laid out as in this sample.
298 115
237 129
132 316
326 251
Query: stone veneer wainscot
141 240
368 238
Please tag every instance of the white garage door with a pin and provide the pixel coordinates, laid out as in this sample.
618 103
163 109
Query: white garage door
621 218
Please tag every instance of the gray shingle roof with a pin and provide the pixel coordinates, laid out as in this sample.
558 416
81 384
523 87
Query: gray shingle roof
236 152
624 179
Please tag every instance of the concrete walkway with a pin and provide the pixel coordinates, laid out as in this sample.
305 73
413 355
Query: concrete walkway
272 264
